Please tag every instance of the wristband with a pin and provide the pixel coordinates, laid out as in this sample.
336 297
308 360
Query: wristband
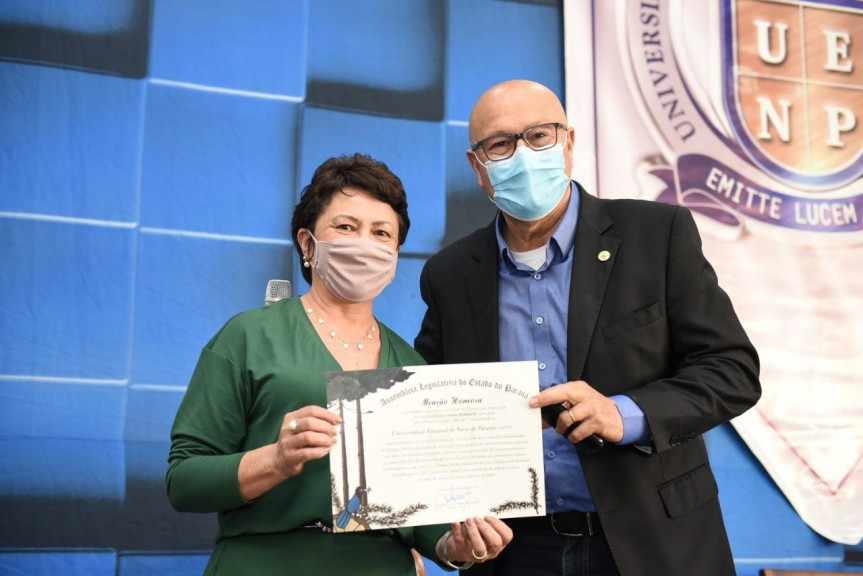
441 552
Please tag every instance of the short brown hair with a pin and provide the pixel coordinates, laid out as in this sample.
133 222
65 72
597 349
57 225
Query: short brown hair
334 175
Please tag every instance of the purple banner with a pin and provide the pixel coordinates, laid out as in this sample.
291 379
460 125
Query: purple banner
707 186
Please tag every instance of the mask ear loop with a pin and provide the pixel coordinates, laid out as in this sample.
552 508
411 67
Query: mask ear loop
475 155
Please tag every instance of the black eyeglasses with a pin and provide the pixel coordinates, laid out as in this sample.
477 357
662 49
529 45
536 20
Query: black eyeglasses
502 146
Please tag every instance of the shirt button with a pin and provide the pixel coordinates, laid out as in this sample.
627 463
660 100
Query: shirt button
560 501
542 365
537 276
539 319
550 454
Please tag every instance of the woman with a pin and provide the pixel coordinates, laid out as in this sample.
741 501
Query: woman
251 438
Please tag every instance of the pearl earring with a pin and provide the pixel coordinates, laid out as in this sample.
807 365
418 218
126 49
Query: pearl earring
306 263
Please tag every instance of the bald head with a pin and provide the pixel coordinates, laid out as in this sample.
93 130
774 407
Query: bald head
512 106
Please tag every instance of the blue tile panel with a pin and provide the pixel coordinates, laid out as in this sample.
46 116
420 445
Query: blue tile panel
460 177
81 562
62 409
151 412
62 468
84 16
760 521
218 163
489 41
187 288
412 149
433 569
826 566
147 461
391 64
234 45
156 564
399 306
467 205
99 36
66 306
69 143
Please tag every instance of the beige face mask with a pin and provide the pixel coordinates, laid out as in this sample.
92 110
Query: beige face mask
354 269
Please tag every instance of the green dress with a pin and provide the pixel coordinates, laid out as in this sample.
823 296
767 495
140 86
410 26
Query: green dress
262 364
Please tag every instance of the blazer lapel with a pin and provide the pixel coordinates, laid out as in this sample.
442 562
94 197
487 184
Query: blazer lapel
590 273
481 286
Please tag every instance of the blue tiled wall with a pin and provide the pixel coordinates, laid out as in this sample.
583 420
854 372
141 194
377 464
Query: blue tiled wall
218 163
66 308
229 44
151 153
186 288
71 143
92 562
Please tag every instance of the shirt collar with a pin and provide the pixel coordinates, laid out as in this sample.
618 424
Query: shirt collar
562 239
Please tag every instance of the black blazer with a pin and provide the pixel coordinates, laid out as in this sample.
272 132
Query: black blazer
651 322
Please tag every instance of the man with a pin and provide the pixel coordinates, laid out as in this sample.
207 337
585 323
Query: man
631 332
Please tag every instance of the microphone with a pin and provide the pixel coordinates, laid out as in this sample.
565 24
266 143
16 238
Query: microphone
589 445
277 290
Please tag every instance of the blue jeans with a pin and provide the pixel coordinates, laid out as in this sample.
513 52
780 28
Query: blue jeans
544 553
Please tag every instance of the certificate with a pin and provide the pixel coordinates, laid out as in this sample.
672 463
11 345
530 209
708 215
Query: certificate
435 444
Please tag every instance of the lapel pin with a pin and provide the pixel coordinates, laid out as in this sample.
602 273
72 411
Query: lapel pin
604 255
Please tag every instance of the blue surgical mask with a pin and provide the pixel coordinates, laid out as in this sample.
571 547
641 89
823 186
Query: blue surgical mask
529 184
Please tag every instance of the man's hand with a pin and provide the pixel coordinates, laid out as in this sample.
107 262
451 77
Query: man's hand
596 414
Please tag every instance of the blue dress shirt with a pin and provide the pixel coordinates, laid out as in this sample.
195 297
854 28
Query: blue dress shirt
533 308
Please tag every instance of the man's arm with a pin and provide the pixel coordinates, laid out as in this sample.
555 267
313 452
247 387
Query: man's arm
715 367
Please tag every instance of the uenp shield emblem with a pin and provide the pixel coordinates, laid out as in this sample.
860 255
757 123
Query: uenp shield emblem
793 88
750 113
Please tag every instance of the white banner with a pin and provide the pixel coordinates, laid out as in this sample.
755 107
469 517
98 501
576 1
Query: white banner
749 113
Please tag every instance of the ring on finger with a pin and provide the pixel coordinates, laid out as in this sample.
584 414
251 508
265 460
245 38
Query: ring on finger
570 414
484 554
294 426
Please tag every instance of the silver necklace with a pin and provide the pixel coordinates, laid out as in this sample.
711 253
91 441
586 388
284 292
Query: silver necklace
333 334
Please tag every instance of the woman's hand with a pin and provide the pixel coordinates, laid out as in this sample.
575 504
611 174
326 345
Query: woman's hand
306 434
477 540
